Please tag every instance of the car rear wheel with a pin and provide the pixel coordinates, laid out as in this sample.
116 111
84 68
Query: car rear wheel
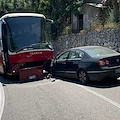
83 77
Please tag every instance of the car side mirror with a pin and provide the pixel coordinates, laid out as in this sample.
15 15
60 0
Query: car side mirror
55 58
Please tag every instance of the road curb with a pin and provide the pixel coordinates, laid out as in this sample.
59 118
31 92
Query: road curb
2 100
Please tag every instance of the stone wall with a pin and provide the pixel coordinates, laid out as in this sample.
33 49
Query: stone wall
109 38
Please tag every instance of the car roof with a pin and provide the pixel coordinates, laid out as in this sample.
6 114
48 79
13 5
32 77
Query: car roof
85 47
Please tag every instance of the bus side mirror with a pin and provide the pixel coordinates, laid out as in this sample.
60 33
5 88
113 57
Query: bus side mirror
53 29
0 30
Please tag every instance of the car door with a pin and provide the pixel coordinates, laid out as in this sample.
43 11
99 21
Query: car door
72 62
60 65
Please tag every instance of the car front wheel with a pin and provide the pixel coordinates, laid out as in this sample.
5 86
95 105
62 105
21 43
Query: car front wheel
83 77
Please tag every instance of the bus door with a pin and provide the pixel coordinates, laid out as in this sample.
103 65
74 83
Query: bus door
1 60
4 49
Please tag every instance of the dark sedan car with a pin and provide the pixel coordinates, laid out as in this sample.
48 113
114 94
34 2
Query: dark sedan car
87 63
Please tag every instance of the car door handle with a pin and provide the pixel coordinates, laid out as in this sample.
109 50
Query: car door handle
64 63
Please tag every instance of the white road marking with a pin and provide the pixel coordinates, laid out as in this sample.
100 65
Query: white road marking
101 96
2 100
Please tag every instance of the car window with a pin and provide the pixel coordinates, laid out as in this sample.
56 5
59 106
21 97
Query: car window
63 56
75 54
99 51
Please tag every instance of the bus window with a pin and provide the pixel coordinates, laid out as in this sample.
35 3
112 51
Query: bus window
27 31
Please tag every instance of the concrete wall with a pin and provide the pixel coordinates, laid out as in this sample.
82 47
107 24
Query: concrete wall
74 20
109 38
91 15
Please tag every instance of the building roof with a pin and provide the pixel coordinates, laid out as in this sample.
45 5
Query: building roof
96 5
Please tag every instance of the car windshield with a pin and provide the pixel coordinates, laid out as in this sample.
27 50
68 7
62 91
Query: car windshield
27 33
99 51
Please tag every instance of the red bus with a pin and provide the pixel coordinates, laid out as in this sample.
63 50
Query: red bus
25 45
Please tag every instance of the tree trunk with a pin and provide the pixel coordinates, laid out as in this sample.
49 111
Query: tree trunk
115 5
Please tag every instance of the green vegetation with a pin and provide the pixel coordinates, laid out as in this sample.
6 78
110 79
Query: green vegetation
112 21
60 10
113 17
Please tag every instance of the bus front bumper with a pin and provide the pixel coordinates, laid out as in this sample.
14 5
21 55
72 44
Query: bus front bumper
32 73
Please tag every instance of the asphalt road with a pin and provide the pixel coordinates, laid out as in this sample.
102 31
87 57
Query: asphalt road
63 99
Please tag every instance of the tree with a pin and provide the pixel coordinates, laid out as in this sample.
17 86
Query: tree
115 5
60 10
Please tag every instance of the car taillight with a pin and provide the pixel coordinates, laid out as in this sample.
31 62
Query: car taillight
103 62
107 62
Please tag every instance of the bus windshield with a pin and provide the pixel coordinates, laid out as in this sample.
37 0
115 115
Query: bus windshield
25 33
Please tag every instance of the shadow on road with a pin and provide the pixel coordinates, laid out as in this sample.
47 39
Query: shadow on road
5 80
105 84
97 84
8 80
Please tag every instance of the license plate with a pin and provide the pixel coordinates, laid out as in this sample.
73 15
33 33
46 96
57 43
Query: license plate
32 77
117 70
